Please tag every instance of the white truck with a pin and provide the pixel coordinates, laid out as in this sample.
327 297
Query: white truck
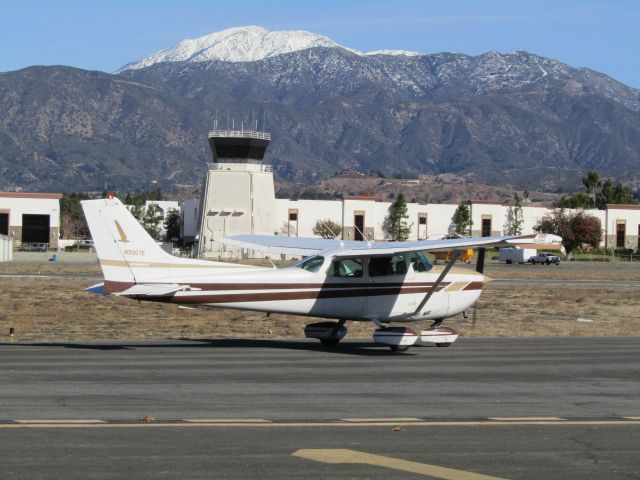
516 255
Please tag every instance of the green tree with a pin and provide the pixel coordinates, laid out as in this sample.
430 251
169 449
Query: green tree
136 206
155 194
396 224
578 229
613 193
327 228
598 194
151 221
515 218
172 224
592 183
462 219
575 200
72 221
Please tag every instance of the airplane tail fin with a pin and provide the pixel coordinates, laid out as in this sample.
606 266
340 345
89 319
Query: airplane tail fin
127 253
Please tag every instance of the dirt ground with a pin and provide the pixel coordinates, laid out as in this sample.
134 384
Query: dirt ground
59 310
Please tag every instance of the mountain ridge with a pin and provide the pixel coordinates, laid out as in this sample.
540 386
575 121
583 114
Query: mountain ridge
515 119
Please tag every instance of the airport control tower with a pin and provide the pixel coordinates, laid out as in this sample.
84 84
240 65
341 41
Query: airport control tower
238 195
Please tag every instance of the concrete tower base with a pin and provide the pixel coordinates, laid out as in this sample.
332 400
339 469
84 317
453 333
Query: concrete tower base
237 198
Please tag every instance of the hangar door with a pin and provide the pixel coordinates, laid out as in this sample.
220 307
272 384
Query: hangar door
35 228
4 223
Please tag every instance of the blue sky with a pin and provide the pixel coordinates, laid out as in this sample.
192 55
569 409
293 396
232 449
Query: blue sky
602 35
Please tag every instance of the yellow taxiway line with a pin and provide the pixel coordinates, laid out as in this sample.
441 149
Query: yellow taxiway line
261 423
340 455
59 422
225 420
393 420
528 419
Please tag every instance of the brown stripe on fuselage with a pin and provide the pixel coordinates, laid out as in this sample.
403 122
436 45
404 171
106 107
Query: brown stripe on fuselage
301 286
303 295
312 291
474 286
112 286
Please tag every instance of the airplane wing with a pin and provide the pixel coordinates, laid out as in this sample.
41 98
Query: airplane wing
343 248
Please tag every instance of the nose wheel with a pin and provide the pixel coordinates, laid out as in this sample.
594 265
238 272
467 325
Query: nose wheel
399 348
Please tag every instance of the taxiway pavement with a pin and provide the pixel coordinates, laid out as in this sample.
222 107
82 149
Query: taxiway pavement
563 408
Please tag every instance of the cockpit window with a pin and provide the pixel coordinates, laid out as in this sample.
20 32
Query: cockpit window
385 266
311 264
346 267
420 262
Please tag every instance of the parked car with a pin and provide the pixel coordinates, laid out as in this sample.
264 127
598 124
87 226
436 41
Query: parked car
84 244
34 247
546 258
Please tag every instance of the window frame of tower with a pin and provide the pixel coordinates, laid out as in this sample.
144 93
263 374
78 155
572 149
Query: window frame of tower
5 224
359 233
423 216
621 233
484 232
293 212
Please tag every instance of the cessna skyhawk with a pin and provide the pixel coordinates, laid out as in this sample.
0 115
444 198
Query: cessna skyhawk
341 280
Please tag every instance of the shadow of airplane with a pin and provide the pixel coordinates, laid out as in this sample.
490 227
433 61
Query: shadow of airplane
357 348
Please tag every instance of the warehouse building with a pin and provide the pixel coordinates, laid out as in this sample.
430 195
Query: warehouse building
31 219
238 198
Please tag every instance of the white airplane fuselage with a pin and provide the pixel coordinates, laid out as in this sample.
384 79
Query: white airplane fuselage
390 298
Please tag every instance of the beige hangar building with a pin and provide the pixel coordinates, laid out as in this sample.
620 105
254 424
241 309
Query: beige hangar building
30 218
238 197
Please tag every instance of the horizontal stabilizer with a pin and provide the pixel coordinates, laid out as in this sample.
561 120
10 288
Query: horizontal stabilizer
154 290
98 289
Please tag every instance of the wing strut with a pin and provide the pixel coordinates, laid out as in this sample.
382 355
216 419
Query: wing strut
454 256
480 261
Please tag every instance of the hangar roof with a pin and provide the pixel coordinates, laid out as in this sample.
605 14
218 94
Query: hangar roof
55 196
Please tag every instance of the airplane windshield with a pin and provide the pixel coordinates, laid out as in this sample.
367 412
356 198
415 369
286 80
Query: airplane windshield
420 262
311 264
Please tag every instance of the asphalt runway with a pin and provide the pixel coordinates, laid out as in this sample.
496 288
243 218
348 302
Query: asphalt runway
496 408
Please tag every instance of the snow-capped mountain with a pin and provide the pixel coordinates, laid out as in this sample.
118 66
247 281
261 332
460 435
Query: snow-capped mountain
406 53
246 44
515 118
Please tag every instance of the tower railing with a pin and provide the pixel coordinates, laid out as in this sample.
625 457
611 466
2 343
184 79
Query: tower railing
240 134
223 166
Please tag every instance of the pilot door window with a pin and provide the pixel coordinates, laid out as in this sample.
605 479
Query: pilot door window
346 268
387 266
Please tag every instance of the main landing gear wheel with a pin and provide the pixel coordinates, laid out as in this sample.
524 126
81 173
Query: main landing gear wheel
399 348
329 333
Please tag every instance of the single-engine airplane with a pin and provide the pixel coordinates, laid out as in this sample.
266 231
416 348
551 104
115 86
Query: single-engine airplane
381 283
